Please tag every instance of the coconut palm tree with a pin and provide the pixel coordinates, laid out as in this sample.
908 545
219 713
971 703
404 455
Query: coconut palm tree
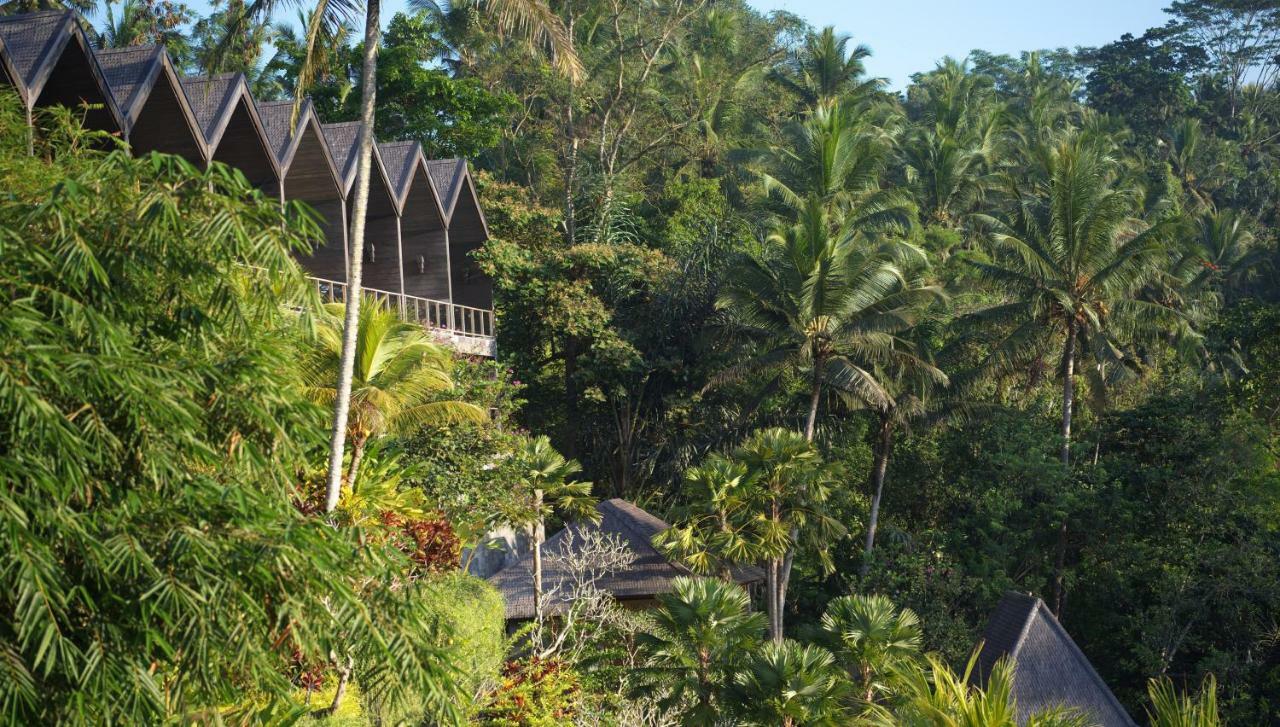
1072 255
702 632
530 19
546 487
870 636
824 69
786 684
397 379
829 305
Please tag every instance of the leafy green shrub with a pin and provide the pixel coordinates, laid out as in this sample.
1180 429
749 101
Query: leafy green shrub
152 565
473 611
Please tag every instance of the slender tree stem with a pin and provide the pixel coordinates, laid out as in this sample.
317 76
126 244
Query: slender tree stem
1068 401
883 445
539 533
815 396
359 210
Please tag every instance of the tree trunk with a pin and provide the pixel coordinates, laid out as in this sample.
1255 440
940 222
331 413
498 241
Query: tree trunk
815 395
772 604
884 445
1068 401
1068 391
539 533
357 456
344 677
359 210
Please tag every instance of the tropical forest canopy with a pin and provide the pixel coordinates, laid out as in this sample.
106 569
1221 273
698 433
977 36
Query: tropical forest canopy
1014 327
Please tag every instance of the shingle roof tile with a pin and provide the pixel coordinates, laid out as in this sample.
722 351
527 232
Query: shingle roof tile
127 71
29 39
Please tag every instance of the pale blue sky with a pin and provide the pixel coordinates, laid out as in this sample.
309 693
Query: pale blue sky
908 36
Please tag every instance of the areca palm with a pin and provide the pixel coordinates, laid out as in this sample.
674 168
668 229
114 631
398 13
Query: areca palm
398 376
932 695
703 631
870 636
789 685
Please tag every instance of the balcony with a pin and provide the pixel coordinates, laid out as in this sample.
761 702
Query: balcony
465 329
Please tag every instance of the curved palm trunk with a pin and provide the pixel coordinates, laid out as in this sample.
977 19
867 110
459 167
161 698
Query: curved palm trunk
357 456
884 445
1068 402
351 320
815 396
778 590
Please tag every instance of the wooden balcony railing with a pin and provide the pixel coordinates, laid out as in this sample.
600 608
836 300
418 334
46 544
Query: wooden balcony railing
451 318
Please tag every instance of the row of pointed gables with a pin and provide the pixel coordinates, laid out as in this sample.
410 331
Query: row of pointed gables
139 94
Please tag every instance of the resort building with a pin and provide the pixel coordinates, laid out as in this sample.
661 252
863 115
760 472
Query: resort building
424 218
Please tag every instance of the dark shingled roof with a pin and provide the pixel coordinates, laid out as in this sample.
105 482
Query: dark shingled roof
648 575
398 158
342 140
275 117
1049 669
31 40
446 176
129 73
210 98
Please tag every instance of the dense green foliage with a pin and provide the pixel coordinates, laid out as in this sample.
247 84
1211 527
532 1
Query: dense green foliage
1014 326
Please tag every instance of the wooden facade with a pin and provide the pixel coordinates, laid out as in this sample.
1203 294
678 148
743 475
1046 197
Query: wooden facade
424 219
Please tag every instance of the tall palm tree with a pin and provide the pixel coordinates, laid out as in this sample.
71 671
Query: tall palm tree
827 304
786 684
546 487
824 69
793 484
869 635
397 379
530 19
1071 255
702 632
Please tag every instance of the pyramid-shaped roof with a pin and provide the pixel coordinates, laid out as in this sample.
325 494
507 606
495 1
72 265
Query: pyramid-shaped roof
1049 669
276 121
650 574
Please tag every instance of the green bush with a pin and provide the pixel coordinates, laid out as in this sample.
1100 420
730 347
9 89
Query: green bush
153 568
471 613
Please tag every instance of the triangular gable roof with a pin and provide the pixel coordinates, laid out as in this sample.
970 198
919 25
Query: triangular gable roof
285 140
1049 669
213 101
132 74
403 159
32 43
344 140
452 179
650 574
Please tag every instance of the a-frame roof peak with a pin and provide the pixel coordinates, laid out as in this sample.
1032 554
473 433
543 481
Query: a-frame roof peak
1050 670
130 73
31 41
